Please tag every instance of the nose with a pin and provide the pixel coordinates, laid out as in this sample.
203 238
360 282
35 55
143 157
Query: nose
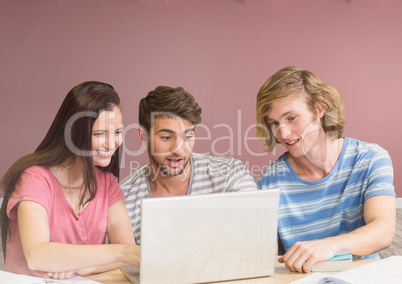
177 145
283 131
112 142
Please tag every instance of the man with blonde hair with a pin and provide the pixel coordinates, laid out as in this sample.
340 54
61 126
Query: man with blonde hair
337 193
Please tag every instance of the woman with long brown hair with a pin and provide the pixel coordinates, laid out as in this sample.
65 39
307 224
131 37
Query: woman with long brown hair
63 201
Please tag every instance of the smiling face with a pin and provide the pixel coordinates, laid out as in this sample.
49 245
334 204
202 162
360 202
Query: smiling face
295 126
170 143
106 136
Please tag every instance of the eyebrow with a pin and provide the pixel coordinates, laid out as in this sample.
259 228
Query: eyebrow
190 129
104 130
166 130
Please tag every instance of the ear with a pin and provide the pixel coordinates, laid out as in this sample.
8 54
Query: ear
320 111
142 136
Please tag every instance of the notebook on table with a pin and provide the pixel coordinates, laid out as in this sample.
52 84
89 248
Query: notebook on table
207 238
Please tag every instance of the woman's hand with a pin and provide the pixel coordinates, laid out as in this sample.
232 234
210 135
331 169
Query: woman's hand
60 275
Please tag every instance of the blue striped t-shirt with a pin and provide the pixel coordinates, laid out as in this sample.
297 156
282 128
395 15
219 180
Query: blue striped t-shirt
333 205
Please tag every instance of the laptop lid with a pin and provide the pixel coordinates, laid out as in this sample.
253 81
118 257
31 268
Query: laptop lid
208 238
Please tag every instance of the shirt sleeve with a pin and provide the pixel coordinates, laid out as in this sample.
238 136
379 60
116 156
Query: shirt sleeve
381 176
34 185
240 178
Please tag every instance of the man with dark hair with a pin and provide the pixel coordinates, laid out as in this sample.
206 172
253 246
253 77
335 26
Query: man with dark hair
168 118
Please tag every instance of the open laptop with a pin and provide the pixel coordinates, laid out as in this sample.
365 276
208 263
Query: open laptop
207 238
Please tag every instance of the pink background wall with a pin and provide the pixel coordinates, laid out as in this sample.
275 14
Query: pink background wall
219 50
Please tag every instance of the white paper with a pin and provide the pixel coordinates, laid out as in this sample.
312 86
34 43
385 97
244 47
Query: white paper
387 270
12 278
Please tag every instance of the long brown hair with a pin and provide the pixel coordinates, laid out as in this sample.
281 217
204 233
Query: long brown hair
68 138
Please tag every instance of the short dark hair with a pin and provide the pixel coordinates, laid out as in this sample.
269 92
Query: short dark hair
170 101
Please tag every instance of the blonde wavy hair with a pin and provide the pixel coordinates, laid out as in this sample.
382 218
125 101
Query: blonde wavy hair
290 81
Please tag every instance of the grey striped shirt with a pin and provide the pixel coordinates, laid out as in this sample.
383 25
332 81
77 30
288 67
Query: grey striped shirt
209 174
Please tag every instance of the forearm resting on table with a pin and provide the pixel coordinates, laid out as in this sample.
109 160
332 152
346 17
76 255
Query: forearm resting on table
56 257
380 219
378 233
366 240
99 269
369 239
108 267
